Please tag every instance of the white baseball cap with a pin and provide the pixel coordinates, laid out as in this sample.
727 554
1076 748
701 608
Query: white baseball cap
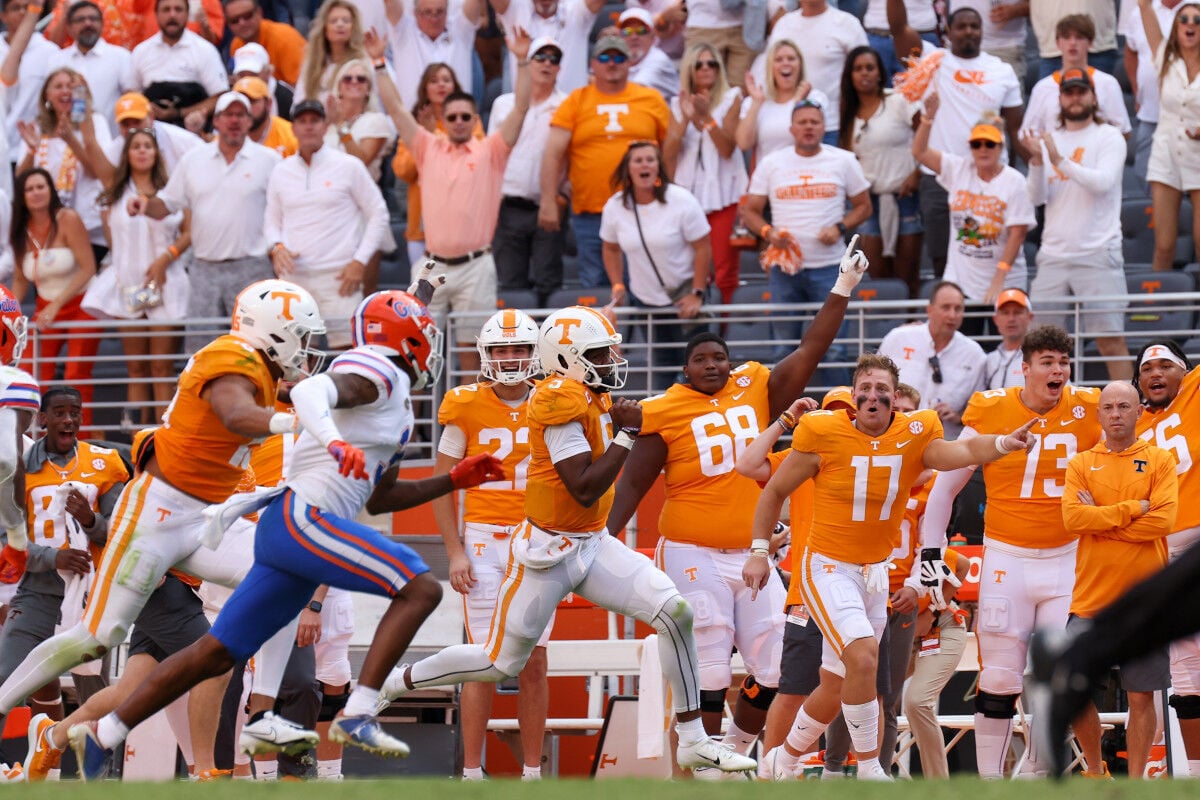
228 99
250 57
543 42
640 14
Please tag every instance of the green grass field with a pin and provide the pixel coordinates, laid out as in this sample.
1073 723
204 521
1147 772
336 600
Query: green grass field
445 789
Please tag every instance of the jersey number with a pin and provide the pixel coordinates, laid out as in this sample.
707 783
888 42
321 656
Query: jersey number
1050 487
721 438
505 439
862 473
1177 443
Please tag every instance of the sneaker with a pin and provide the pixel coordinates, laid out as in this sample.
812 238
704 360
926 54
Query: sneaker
1056 694
271 733
13 774
213 775
772 768
366 733
1103 776
94 759
712 753
714 774
42 756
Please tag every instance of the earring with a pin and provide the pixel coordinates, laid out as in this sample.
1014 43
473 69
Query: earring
658 182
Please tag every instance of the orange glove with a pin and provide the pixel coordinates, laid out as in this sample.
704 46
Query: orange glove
477 469
12 564
351 461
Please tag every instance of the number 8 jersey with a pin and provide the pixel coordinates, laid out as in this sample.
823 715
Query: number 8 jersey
1024 490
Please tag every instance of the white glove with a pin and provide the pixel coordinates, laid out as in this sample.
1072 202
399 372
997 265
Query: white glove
877 576
933 572
421 287
851 270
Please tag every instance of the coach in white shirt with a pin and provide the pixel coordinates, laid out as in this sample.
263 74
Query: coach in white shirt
428 32
567 22
936 360
107 68
224 183
179 70
325 219
23 79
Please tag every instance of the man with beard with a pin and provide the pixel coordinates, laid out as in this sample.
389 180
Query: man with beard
970 84
271 131
1081 241
179 71
106 67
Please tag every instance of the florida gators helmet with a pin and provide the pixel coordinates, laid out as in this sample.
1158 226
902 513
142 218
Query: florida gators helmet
394 324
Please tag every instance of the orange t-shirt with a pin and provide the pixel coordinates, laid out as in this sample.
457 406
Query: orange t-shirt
1177 428
491 426
1117 549
863 481
280 138
602 126
197 454
548 504
1025 490
707 502
285 48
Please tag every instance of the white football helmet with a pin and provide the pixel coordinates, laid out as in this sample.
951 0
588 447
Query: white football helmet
280 319
509 326
565 338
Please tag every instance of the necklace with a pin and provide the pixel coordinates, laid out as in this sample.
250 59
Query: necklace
66 470
38 246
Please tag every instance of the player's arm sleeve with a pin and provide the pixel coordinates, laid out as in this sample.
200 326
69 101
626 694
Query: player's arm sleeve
40 558
565 441
453 442
312 398
941 501
1081 518
1164 506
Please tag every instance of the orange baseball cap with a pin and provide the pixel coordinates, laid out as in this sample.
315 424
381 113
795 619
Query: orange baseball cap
252 87
131 105
1013 296
986 132
1074 77
838 394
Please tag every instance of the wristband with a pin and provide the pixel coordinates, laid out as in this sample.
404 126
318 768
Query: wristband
712 123
1000 445
624 439
282 422
524 63
173 251
620 286
1003 266
760 544
33 9
766 229
787 420
379 63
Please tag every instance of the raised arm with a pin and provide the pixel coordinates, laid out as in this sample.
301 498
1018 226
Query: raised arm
18 43
406 125
1154 33
553 161
921 150
905 37
518 45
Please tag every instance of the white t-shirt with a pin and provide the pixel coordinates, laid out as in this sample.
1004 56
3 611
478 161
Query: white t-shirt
980 215
1010 34
1083 194
657 72
522 175
775 122
920 15
710 14
570 26
883 144
668 228
968 87
961 362
715 181
809 193
1041 113
824 40
413 51
1146 79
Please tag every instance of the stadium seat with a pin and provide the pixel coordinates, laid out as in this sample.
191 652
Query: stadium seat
523 299
1136 233
596 297
1144 318
877 324
750 338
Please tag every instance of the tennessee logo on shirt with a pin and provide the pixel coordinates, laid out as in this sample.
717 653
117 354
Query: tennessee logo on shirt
614 112
972 76
806 190
1076 156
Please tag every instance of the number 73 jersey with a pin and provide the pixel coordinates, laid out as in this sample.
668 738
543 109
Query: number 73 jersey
1024 489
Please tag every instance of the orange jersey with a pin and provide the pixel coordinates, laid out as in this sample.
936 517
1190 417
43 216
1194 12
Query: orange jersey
910 536
548 504
863 481
1118 546
1177 428
491 426
707 502
196 453
1024 490
602 126
269 460
98 468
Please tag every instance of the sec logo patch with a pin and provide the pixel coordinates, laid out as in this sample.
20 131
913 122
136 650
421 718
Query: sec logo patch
916 426
1078 412
743 381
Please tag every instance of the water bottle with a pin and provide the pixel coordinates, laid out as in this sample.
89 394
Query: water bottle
78 104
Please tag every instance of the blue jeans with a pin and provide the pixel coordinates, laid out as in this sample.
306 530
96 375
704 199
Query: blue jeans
588 245
1104 61
809 285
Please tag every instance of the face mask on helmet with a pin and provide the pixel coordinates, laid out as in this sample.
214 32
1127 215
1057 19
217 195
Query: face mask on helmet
281 319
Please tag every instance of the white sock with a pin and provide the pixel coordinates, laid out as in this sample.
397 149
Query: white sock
992 737
805 732
329 768
362 702
111 731
862 721
266 770
870 766
1193 765
739 739
472 773
529 773
691 731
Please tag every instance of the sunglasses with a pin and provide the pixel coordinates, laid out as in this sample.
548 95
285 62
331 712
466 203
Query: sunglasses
612 58
634 30
1187 19
355 79
95 20
238 19
553 58
709 64
806 104
936 366
975 145
464 117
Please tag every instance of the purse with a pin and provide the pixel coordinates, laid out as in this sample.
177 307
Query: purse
681 291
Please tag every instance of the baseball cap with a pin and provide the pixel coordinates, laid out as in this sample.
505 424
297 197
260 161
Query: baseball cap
543 42
1074 77
986 132
1013 296
228 99
610 42
640 14
311 105
131 105
838 394
250 57
252 87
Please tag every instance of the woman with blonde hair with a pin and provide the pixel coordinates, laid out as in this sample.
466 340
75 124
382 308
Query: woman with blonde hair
336 37
766 116
702 156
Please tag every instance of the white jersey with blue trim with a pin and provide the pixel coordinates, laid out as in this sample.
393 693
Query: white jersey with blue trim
380 429
18 390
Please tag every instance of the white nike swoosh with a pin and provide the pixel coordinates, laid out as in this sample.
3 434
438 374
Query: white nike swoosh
86 474
900 445
1097 469
1066 422
738 396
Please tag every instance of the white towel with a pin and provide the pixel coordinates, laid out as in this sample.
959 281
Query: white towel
652 714
219 517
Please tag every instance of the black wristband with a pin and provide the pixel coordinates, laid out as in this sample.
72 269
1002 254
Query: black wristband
315 606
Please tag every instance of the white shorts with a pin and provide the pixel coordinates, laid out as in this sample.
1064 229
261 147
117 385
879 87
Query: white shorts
1095 275
835 594
469 287
153 528
487 549
1174 159
711 581
1020 589
332 651
336 310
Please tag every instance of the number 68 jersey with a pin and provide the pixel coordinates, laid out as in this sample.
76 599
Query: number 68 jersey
1024 489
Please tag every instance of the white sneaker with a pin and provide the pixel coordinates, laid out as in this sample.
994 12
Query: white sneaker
873 772
772 768
712 753
271 733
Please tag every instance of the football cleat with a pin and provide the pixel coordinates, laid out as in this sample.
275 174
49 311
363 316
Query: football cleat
712 753
94 759
366 733
772 768
42 755
271 733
